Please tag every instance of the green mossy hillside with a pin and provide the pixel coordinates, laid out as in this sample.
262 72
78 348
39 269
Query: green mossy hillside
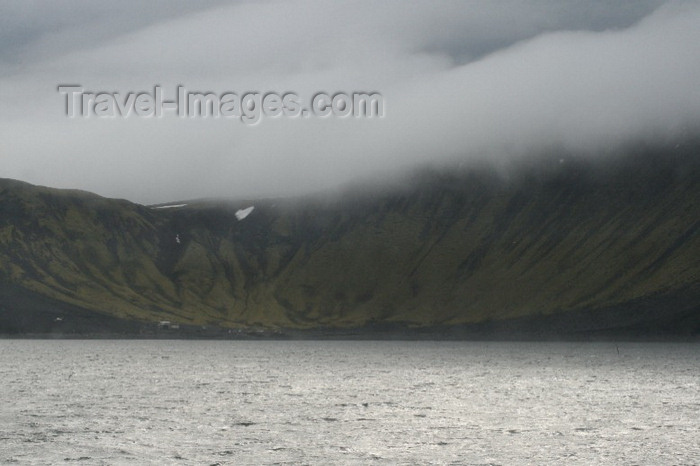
548 236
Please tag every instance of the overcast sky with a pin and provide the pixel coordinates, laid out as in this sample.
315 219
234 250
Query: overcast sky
459 80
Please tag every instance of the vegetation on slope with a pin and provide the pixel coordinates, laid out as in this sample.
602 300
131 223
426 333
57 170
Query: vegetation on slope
556 236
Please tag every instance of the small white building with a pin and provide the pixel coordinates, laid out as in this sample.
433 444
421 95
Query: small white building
167 325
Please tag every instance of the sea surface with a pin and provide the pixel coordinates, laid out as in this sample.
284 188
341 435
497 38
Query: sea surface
161 402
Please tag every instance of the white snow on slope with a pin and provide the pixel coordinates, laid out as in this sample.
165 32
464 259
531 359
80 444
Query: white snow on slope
243 213
168 206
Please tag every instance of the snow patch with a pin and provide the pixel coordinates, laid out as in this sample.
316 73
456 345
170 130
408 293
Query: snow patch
171 206
243 213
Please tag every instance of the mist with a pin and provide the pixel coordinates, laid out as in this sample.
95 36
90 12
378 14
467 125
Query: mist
459 81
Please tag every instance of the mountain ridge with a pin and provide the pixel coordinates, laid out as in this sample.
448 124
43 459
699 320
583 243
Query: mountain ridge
532 247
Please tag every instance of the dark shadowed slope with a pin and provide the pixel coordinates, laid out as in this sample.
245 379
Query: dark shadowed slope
552 245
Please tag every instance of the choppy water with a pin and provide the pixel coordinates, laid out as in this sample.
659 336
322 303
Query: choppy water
383 403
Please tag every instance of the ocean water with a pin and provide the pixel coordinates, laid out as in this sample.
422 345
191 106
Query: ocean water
339 402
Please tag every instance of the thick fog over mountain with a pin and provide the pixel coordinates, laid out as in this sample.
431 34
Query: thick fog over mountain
457 80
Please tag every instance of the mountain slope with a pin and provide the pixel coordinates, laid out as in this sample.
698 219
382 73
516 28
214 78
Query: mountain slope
539 244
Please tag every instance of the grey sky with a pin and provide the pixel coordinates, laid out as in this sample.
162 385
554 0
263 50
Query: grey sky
459 79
